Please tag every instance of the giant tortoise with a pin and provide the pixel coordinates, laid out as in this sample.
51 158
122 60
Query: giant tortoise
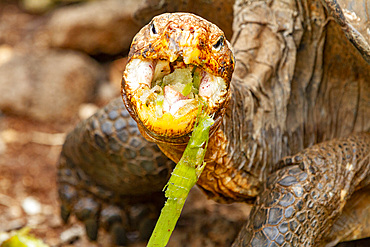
291 133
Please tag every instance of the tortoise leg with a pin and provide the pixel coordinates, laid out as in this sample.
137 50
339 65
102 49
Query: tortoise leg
301 201
109 176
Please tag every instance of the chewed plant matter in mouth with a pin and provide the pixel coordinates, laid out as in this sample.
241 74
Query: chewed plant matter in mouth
173 92
169 93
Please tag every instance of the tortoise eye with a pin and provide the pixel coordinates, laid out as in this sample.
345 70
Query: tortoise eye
152 29
220 43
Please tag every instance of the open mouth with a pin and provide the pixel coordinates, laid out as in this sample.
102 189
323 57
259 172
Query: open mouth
166 95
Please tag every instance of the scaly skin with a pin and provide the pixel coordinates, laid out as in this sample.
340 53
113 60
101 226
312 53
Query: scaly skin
208 9
285 98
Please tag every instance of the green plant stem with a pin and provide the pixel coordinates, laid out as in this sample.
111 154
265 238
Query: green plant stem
183 178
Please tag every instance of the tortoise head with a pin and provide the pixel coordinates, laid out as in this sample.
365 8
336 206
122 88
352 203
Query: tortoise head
177 62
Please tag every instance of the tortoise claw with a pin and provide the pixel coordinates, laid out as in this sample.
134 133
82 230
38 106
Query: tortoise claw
118 234
65 213
91 227
67 195
111 215
87 211
113 222
146 228
86 208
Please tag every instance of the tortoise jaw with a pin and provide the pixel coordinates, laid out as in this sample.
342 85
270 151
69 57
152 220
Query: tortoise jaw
165 107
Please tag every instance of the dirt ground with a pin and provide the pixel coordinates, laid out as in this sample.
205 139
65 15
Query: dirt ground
28 169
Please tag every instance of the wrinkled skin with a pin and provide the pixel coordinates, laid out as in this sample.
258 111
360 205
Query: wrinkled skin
293 140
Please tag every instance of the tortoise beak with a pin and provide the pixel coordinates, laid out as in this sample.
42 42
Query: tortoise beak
194 54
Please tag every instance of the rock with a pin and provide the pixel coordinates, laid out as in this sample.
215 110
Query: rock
54 221
12 224
15 25
2 146
36 220
116 69
97 27
72 234
6 52
37 6
87 110
15 211
47 85
106 92
31 206
4 236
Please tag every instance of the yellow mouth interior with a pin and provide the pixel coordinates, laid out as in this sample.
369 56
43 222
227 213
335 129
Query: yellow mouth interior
168 104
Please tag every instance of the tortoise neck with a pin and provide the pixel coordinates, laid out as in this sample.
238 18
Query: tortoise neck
244 147
253 129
